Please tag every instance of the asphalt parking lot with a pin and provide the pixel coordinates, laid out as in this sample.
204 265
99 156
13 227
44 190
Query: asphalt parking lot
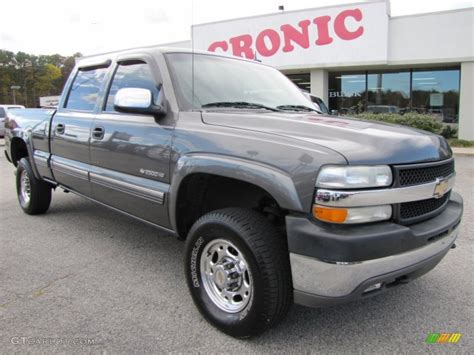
85 274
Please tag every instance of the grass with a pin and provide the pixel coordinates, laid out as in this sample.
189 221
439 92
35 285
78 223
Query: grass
454 142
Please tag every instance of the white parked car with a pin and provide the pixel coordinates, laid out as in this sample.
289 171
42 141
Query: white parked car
3 114
317 102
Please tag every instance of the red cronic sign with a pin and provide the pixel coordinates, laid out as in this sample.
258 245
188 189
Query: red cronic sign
306 38
271 40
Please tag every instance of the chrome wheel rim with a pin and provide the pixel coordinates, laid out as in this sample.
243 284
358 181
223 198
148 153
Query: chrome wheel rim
226 276
25 188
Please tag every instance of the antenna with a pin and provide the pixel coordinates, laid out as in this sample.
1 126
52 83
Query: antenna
255 58
192 53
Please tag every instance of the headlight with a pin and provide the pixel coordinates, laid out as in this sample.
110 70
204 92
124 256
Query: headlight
354 177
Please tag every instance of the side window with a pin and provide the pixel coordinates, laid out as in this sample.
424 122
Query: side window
85 89
131 75
2 112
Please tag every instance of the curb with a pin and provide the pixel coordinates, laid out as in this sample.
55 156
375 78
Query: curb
463 151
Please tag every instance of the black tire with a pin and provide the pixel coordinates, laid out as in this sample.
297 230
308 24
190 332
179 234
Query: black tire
266 252
40 191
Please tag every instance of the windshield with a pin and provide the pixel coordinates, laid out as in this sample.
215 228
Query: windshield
227 82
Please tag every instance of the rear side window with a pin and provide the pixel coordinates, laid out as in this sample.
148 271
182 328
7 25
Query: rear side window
134 74
2 112
85 89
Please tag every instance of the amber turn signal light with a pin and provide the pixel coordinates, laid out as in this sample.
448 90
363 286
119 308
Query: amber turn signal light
327 214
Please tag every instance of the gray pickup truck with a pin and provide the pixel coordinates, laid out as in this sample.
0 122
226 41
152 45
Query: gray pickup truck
276 202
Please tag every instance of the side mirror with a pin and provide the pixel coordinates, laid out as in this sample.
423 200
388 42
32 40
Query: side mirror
136 100
334 112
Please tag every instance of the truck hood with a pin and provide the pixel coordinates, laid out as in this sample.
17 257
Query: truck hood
360 142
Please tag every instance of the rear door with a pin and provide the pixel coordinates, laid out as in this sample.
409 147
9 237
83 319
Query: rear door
130 153
71 127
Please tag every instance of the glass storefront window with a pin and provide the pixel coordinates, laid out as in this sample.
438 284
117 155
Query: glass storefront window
347 92
433 91
436 92
388 92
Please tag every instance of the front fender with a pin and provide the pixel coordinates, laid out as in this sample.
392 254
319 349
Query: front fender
273 180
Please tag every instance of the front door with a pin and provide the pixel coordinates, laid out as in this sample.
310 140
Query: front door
130 153
70 130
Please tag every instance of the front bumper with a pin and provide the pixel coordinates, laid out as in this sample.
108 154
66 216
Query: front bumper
334 265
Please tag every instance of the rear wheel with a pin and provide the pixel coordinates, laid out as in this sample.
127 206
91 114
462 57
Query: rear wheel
238 271
34 195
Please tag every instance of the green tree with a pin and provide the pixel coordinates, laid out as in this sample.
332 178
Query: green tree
45 84
37 75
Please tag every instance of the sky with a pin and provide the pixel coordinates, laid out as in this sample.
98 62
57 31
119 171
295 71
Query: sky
94 26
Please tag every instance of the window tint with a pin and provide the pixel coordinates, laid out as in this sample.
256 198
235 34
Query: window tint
85 89
2 112
131 75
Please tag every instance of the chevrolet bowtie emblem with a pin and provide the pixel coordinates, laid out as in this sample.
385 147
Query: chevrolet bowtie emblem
440 188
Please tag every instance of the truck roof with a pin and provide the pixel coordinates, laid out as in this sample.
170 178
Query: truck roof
150 50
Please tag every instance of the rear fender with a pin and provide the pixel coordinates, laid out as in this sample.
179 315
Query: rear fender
26 136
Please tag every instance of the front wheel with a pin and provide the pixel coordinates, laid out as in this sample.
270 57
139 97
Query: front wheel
34 195
238 271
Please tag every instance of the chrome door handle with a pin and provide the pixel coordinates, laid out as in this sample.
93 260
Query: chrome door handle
60 128
98 132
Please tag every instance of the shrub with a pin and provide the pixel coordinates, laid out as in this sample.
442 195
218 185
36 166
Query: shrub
449 132
411 119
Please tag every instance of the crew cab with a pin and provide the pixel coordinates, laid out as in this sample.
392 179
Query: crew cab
276 202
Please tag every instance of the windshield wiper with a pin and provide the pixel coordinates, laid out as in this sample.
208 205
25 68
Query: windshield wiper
297 108
239 104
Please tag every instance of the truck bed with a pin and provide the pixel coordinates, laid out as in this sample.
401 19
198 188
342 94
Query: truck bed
33 122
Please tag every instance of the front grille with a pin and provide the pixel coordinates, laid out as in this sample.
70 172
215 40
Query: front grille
416 209
418 174
408 175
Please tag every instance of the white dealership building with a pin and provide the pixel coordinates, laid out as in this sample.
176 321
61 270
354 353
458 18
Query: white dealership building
357 57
